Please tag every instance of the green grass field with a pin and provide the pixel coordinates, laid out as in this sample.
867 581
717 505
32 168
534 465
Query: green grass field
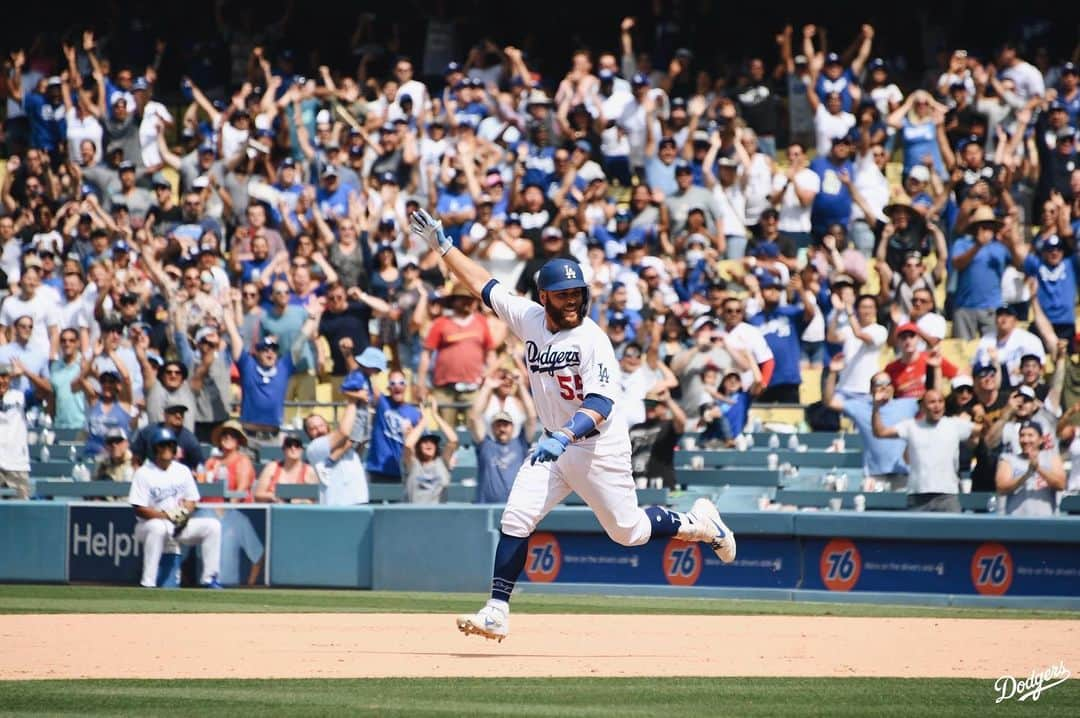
109 599
725 697
734 697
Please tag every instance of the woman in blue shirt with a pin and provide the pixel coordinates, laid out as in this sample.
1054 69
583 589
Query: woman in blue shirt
920 119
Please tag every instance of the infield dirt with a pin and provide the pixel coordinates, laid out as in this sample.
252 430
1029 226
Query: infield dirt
385 645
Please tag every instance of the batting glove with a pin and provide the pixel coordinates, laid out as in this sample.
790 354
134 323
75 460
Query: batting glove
430 230
550 448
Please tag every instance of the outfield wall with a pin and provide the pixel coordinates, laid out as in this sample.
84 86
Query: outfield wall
850 556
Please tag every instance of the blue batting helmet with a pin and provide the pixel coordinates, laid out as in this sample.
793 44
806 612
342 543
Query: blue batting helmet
559 274
162 435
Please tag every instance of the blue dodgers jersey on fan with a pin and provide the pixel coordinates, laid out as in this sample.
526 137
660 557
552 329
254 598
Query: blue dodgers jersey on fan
564 366
781 328
833 203
388 435
1057 286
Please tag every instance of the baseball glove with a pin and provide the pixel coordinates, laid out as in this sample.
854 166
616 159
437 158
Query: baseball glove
179 517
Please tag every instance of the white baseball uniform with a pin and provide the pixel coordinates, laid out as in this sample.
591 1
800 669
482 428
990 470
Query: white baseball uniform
564 367
164 490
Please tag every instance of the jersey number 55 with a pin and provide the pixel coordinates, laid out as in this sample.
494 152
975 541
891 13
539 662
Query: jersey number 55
570 387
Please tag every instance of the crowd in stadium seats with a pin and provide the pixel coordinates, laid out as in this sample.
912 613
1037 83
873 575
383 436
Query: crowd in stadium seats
812 231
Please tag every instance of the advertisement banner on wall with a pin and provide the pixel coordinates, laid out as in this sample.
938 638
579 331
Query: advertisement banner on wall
594 558
102 546
963 567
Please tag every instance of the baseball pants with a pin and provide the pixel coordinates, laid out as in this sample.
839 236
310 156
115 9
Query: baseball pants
603 481
154 533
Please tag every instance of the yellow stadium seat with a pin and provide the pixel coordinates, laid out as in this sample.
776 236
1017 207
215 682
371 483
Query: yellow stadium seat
810 389
959 352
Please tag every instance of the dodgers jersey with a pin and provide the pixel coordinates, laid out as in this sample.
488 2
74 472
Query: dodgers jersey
564 367
154 488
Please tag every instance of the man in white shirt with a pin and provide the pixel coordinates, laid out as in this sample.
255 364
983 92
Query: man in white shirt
933 450
1027 78
794 190
1010 343
33 303
163 494
342 481
741 338
14 451
854 325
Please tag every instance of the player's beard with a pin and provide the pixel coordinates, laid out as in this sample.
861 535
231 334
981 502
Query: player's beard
559 318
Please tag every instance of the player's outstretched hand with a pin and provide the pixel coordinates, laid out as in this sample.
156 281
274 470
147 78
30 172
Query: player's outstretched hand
550 447
430 230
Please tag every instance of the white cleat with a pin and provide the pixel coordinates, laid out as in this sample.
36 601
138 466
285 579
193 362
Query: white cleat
713 530
491 622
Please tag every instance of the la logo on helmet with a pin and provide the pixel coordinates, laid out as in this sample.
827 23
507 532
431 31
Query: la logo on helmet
570 273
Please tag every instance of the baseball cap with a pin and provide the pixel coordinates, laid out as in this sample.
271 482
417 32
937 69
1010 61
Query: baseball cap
584 145
877 64
702 322
1034 357
667 141
160 181
962 380
5 369
329 171
1027 392
618 319
372 358
551 231
832 59
501 416
605 75
767 249
907 328
920 173
1030 424
125 166
513 218
983 367
204 332
1051 242
1069 68
635 241
801 60
175 409
682 166
768 280
969 140
640 79
115 434
1006 309
140 85
267 342
452 67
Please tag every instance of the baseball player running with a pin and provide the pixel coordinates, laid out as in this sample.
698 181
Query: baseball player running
164 494
585 446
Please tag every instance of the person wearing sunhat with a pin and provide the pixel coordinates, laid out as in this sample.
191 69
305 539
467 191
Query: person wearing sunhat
229 438
906 232
979 261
